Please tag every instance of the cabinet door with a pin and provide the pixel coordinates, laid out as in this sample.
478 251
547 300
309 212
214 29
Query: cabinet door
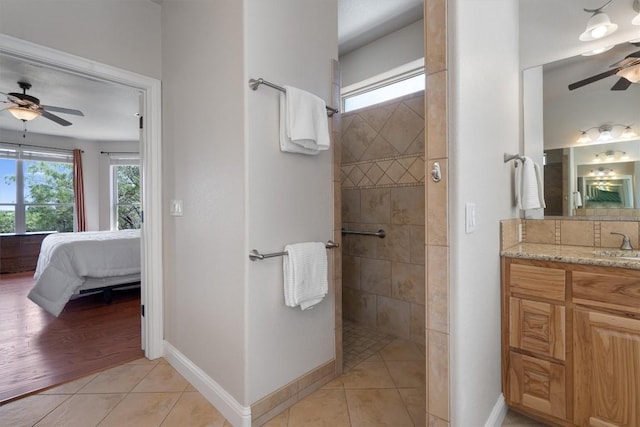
537 384
606 370
537 327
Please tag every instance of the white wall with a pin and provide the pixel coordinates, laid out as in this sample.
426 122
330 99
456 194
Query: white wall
386 53
204 151
96 177
484 123
123 33
290 199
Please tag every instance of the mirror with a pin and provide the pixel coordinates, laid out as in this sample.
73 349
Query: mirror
600 174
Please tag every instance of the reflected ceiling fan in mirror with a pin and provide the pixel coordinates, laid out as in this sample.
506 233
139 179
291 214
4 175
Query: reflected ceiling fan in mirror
26 107
628 70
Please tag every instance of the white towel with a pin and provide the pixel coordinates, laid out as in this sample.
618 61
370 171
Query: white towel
305 121
577 199
305 274
529 188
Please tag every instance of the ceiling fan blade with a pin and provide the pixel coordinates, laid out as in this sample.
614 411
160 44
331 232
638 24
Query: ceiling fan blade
53 117
63 110
593 79
17 101
621 84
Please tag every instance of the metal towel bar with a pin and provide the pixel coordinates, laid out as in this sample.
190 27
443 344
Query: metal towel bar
508 157
254 84
380 233
254 255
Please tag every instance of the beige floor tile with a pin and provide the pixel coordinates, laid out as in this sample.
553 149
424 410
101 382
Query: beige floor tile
281 420
141 410
408 373
377 407
193 410
145 361
415 401
70 387
28 411
402 350
120 379
322 408
514 419
190 388
162 378
82 410
368 375
335 383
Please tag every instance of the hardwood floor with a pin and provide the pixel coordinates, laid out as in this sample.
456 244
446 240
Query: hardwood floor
38 350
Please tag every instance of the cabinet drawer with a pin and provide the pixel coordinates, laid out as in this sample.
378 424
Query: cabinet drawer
541 282
537 327
608 290
537 384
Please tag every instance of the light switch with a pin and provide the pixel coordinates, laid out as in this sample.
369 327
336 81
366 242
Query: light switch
470 217
176 208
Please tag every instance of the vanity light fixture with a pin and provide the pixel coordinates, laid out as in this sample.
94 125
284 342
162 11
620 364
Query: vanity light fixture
606 134
610 156
599 25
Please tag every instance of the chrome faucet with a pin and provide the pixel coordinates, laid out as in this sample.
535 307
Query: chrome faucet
626 244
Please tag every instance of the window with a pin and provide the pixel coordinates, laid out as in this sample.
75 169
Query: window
36 190
384 91
125 196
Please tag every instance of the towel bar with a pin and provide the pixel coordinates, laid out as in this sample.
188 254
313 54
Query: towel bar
380 233
253 84
254 255
508 157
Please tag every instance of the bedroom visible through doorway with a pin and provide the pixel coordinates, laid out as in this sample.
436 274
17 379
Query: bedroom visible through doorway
150 329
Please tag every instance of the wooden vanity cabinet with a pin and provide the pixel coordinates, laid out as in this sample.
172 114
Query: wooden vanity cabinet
571 346
607 348
534 343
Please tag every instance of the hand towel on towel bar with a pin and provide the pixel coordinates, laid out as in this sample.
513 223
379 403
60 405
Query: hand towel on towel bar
304 127
529 189
305 274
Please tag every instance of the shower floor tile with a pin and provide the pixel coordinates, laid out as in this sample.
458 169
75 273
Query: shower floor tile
360 343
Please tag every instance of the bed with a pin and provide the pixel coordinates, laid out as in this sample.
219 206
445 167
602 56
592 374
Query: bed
73 264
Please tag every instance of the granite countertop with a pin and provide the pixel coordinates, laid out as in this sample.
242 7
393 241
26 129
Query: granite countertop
608 257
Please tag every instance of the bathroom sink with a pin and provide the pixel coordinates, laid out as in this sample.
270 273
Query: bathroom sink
618 253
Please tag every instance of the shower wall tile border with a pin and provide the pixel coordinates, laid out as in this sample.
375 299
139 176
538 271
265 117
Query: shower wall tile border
437 215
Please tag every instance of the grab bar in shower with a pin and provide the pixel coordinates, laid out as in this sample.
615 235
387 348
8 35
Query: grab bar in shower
255 83
254 255
380 233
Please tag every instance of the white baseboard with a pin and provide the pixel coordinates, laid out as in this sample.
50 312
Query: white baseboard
232 410
498 413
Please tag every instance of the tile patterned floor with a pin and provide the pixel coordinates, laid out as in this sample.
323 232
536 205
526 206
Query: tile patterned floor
360 343
387 388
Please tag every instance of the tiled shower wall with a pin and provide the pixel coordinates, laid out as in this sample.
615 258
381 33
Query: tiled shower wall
382 180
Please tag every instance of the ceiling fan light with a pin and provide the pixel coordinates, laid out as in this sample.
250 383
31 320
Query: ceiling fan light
24 114
636 20
630 73
598 26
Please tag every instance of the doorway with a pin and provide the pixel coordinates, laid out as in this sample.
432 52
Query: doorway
150 162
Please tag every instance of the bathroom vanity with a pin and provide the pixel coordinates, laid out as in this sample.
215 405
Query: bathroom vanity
571 334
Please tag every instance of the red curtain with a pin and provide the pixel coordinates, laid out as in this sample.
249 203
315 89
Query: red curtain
78 191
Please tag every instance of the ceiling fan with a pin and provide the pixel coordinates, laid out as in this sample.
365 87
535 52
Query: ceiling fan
26 107
628 69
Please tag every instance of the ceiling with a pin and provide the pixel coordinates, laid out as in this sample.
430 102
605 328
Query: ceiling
109 109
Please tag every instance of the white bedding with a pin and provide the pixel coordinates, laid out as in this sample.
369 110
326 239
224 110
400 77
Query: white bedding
67 260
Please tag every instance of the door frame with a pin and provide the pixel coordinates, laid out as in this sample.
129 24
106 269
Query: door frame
150 161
